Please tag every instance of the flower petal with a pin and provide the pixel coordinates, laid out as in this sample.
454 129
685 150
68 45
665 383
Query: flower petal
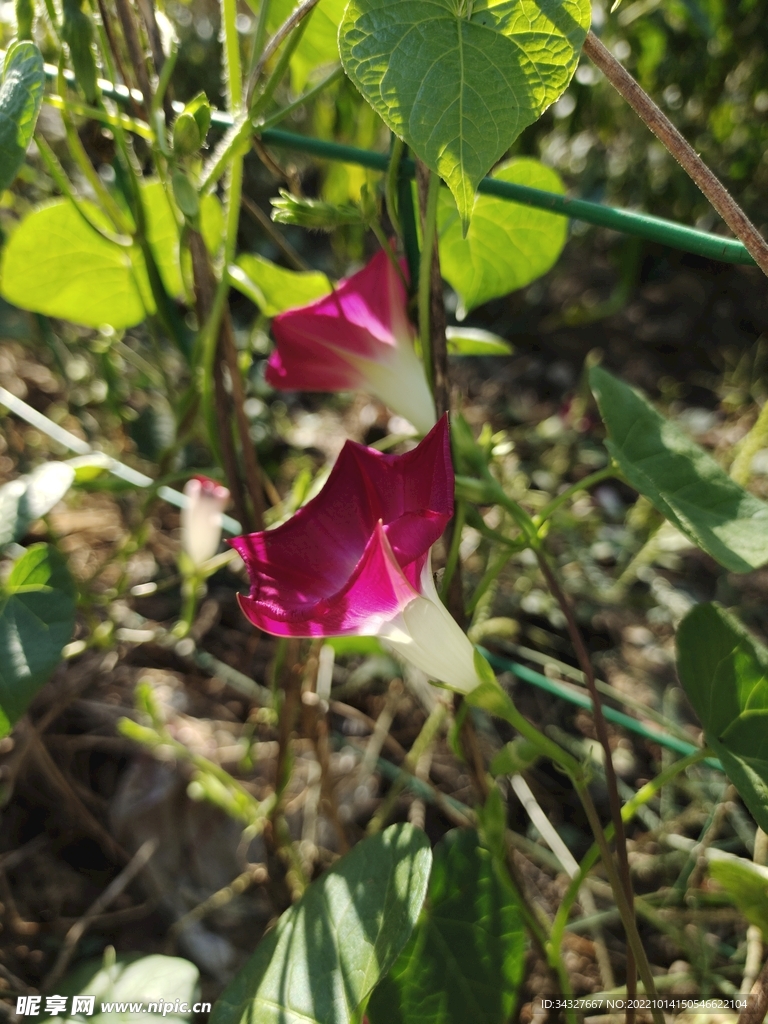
376 593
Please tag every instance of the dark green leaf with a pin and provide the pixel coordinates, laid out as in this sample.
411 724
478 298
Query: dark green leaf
678 477
464 962
329 950
508 245
37 617
747 885
724 671
27 498
458 80
21 96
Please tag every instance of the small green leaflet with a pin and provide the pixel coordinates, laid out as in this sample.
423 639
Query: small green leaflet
133 978
328 951
37 617
459 80
29 497
274 289
465 959
747 885
507 246
724 671
678 477
473 341
21 96
56 264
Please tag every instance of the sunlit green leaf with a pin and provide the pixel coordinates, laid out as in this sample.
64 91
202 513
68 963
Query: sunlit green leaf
55 263
680 479
458 80
37 617
275 289
508 245
21 96
29 497
330 949
465 959
473 341
724 671
137 979
319 43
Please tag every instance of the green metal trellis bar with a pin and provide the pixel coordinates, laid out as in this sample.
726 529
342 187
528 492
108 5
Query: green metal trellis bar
628 222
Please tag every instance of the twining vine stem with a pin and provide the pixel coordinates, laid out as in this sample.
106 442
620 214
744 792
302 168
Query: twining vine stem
681 150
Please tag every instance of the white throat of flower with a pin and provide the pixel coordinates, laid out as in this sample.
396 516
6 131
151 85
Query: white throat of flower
427 635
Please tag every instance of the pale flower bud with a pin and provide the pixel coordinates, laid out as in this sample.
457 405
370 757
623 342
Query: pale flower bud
201 519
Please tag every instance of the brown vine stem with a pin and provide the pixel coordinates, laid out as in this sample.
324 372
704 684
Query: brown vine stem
135 49
290 23
757 1003
717 194
226 351
601 728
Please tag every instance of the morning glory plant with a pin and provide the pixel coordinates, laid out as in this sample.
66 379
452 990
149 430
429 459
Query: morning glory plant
357 338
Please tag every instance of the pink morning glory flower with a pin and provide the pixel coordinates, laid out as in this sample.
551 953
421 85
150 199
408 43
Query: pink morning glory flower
355 561
201 518
357 338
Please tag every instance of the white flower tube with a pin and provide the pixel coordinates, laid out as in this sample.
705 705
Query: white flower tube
201 518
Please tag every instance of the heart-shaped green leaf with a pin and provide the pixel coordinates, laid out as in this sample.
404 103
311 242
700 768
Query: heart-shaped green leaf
473 341
459 80
678 477
724 671
328 951
37 616
465 959
29 497
507 246
21 95
55 263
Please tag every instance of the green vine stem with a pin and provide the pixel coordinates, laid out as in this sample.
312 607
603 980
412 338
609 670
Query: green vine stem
428 231
581 485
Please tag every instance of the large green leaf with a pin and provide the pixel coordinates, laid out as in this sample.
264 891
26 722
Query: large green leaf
459 80
724 671
21 95
508 245
678 477
274 288
55 263
29 497
37 617
747 885
329 950
136 979
464 961
319 44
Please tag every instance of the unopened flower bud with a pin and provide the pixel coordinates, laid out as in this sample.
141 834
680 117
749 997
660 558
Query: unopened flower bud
201 518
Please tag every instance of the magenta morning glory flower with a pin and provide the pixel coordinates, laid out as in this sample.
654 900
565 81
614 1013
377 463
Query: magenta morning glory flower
355 561
357 338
